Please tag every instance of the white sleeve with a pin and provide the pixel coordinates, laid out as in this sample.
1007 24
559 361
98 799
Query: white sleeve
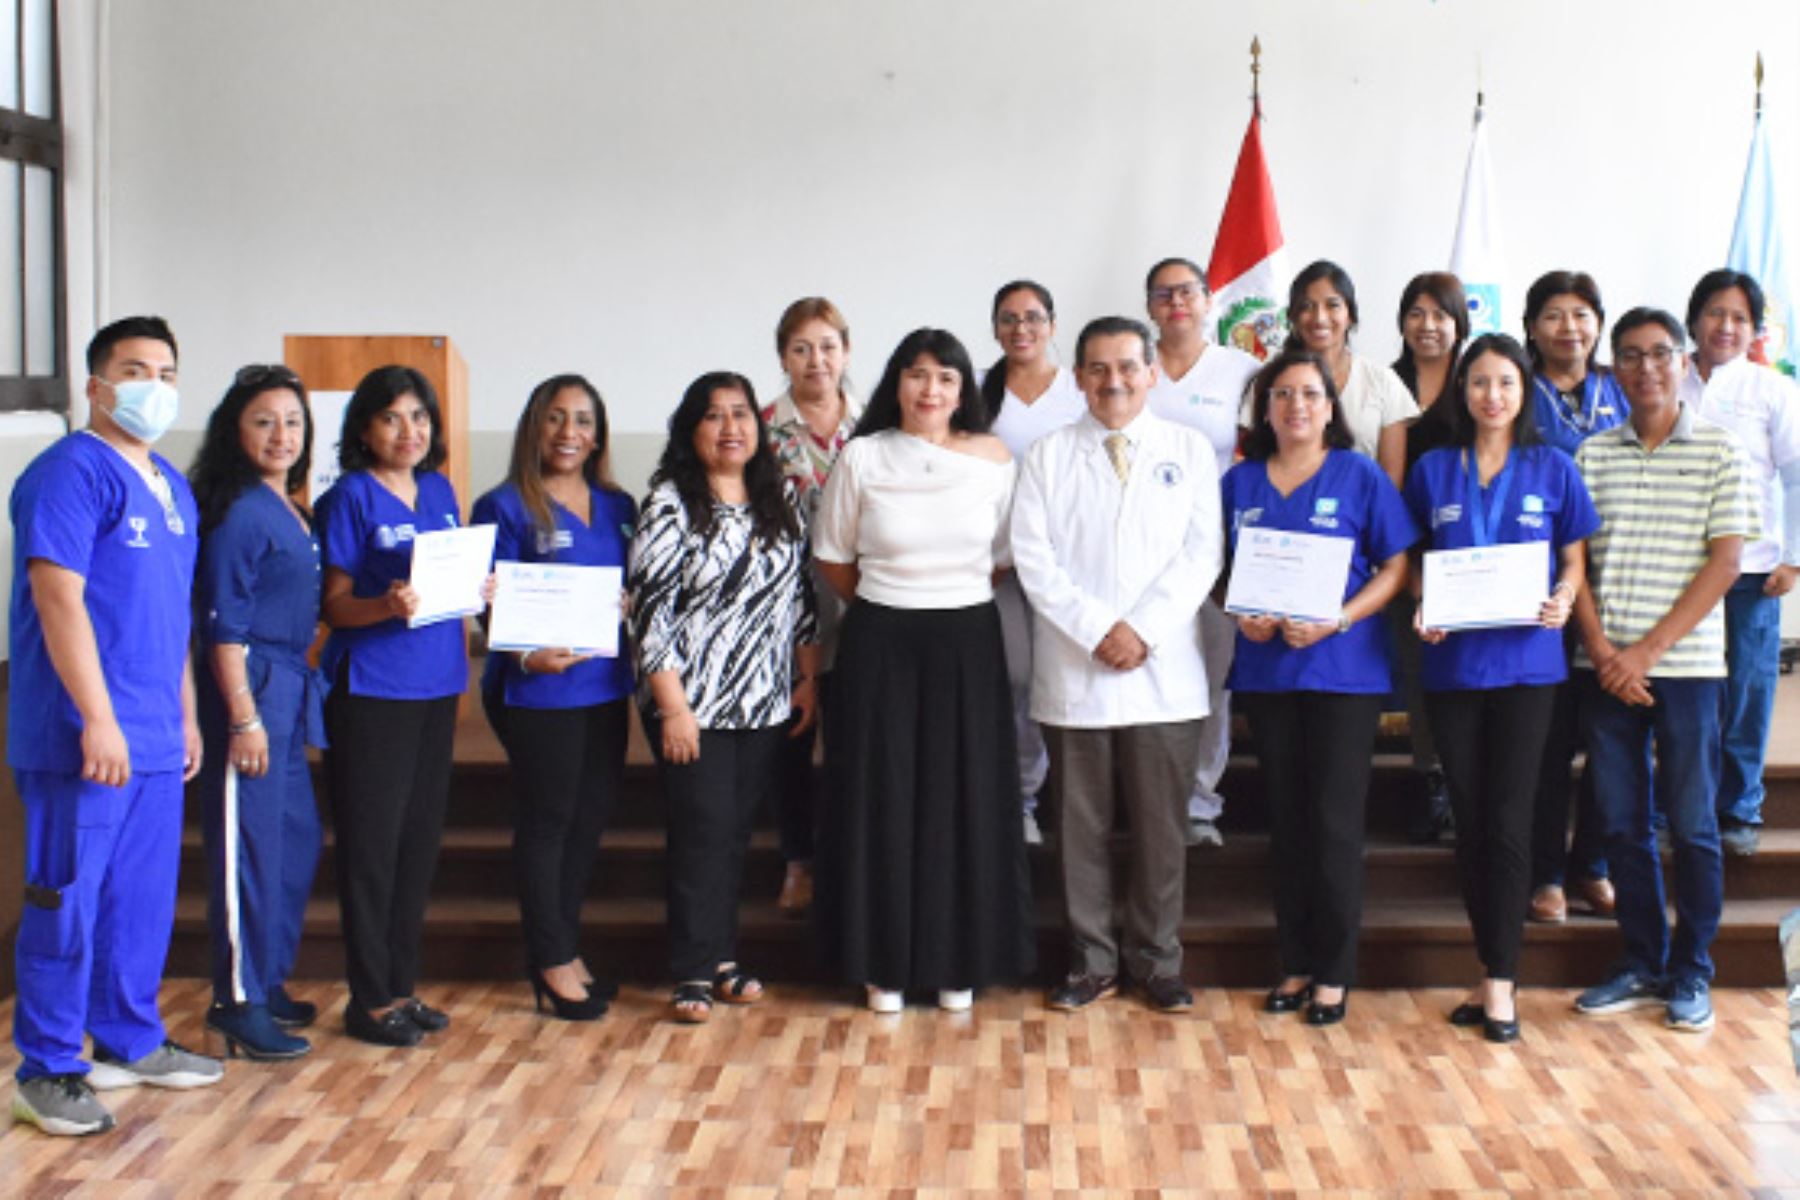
1397 403
1053 594
835 523
1174 598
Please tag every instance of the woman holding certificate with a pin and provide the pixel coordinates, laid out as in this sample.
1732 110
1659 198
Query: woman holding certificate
1493 686
1312 685
725 625
561 715
392 709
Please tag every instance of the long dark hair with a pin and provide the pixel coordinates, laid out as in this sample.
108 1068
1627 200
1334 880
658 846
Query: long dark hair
526 471
1259 442
1462 422
1447 290
771 516
222 471
883 411
375 393
993 385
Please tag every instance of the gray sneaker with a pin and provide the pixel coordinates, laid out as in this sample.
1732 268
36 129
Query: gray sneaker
63 1105
1740 841
167 1066
1201 832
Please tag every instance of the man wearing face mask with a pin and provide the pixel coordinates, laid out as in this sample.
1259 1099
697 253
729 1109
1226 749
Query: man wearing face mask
102 736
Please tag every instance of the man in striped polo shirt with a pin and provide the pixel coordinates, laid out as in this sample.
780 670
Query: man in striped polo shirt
1675 508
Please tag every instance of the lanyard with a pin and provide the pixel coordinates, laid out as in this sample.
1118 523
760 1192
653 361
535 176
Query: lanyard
1483 522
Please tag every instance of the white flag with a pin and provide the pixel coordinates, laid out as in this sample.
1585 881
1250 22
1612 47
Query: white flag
1757 250
1475 257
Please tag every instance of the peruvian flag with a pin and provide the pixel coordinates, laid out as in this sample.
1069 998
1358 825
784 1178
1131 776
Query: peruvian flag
1248 272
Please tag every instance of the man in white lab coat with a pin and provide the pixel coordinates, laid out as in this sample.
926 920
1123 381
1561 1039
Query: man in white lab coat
1116 539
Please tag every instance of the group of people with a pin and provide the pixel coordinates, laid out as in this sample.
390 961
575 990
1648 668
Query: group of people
984 588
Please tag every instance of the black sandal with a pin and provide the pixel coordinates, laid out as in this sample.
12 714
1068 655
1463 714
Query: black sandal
734 985
692 1003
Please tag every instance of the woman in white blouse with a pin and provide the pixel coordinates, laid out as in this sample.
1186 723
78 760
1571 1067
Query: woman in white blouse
1377 405
922 876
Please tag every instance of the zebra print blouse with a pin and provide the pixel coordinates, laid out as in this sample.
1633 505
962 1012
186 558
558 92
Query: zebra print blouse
723 610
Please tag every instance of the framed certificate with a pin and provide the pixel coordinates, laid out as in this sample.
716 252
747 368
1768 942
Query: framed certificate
1280 574
556 606
1485 587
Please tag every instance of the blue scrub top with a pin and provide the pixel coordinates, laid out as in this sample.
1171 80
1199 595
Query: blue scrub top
1545 501
1603 405
258 586
1348 497
367 533
601 544
82 506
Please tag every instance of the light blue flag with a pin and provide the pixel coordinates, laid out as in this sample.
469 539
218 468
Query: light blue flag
1756 250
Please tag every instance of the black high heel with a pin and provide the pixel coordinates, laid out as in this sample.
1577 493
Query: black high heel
1327 1014
590 1009
1278 1001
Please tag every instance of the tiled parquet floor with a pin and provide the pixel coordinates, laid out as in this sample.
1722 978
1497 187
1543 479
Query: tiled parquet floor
807 1095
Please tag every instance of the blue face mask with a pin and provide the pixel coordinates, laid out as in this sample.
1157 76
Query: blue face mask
144 408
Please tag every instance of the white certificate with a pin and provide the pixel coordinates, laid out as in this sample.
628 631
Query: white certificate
556 606
1279 574
448 568
1485 587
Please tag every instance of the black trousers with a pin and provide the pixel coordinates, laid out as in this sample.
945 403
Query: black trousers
1492 743
795 791
1315 752
389 767
711 802
1554 854
568 766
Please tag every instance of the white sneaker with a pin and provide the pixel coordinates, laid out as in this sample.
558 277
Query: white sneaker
1033 835
1202 832
883 1001
167 1066
956 1001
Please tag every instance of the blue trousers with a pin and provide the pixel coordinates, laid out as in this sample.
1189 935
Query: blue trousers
262 845
1753 656
100 868
1683 725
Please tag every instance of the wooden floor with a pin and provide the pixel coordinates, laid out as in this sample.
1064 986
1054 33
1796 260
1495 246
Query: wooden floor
808 1095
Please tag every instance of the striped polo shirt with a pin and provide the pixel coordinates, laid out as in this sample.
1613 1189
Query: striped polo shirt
1659 511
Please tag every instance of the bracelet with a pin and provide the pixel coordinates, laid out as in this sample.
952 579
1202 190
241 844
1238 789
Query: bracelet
525 669
249 726
680 712
234 693
1563 586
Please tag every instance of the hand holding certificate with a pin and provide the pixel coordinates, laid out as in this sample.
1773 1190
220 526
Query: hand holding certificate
1485 587
539 606
1282 574
449 567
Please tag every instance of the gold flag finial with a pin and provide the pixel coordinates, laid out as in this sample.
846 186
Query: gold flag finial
1759 77
1256 70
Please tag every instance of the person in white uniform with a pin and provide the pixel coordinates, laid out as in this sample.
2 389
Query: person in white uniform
1027 395
1116 538
1201 385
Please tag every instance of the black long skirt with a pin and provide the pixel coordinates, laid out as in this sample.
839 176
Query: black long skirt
922 873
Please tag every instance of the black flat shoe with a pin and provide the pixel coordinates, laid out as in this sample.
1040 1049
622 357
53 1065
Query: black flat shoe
590 1008
1467 1016
1327 1014
1500 1032
1278 1001
391 1028
427 1018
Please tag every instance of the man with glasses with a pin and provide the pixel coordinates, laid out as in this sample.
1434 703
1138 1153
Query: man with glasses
1116 538
1761 406
1675 509
101 737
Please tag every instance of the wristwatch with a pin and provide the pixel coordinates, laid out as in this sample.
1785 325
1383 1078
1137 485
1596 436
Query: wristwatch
1343 621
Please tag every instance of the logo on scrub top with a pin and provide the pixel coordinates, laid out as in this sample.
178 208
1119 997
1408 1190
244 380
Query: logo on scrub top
138 525
1167 473
1325 512
1246 516
1533 516
1446 514
389 536
548 541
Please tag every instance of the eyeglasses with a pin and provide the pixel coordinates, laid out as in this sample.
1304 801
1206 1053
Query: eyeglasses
1185 292
1289 395
1659 356
1031 320
265 375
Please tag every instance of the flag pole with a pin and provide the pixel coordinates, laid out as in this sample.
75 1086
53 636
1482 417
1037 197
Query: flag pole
1759 78
1256 73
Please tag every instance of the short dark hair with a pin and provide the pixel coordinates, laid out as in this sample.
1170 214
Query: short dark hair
1644 315
1259 441
883 411
1552 284
1175 261
993 384
100 347
772 518
1329 271
375 394
1462 422
1110 327
1723 280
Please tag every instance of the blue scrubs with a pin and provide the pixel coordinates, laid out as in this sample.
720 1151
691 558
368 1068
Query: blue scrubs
258 587
100 862
1348 497
367 532
1537 497
1603 405
603 543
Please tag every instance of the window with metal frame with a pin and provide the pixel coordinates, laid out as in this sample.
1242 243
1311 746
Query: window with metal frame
33 374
